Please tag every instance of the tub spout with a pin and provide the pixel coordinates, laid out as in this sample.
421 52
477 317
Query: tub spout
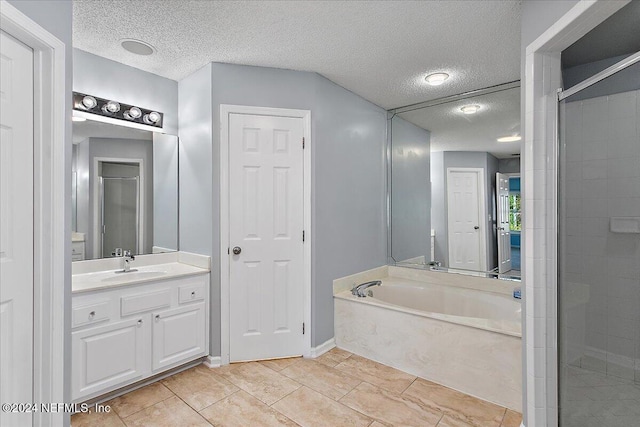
358 290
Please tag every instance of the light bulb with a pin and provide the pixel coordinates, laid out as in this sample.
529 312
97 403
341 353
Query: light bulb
89 102
151 118
111 107
133 113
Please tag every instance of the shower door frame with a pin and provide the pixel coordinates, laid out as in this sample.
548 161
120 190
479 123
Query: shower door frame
542 78
97 208
138 218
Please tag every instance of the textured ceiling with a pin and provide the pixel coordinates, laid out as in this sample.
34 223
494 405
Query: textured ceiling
381 50
617 35
451 130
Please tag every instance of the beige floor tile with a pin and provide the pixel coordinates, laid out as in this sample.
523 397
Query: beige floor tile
279 364
321 378
468 409
377 424
310 408
333 357
511 419
240 410
137 400
390 407
265 384
376 373
199 387
96 419
172 412
449 421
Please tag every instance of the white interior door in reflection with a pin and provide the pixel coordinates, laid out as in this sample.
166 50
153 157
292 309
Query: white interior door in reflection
466 225
265 234
504 232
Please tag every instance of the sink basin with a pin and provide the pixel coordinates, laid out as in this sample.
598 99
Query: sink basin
134 275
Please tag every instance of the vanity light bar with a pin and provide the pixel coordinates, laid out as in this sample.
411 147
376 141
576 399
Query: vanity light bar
116 110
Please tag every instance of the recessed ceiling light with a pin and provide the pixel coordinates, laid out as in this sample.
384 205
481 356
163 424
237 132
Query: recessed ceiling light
470 109
78 119
512 138
137 46
436 79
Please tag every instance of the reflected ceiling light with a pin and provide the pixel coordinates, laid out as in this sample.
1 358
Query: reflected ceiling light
512 138
470 109
78 119
89 102
137 47
133 113
436 79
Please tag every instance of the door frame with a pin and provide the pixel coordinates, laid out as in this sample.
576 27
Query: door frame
97 215
52 259
482 209
305 115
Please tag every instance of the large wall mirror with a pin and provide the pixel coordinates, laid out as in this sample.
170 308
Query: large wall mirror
125 191
455 183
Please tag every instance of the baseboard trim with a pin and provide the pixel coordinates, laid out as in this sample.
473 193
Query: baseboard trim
323 348
213 361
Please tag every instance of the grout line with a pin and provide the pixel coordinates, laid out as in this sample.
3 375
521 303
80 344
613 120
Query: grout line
220 400
146 407
410 384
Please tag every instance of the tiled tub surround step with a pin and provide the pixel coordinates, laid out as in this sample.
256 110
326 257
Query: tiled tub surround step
474 346
299 392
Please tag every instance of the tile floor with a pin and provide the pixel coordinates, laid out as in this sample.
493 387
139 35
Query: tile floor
336 389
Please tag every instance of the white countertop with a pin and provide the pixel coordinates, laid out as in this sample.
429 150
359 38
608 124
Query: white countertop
110 279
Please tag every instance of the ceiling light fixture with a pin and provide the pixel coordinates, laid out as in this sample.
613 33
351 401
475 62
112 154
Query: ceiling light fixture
111 107
137 47
89 102
512 138
151 118
436 79
470 109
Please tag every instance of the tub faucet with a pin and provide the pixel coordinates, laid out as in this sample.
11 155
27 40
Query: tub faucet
358 290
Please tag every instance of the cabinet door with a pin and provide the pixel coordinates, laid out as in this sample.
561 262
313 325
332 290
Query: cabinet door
178 335
108 356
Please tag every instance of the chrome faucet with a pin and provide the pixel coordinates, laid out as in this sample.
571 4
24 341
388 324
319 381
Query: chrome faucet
358 290
127 257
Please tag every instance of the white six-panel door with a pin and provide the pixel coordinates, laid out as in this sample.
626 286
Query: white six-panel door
504 232
16 228
266 275
466 232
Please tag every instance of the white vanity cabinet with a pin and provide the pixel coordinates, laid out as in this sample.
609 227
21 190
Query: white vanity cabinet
125 334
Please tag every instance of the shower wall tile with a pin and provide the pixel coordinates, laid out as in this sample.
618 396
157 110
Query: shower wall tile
601 180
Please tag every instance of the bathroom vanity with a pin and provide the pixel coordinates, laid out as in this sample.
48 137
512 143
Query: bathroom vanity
127 327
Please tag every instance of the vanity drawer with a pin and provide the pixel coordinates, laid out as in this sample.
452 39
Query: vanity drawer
191 292
139 303
89 314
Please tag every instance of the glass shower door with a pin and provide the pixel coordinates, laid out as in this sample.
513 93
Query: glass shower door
599 256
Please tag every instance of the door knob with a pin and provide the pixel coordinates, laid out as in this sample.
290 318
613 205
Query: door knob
237 250
476 227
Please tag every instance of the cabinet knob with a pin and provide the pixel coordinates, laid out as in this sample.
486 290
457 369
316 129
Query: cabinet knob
157 317
92 314
139 321
193 294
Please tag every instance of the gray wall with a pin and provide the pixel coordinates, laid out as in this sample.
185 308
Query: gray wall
108 147
440 161
56 17
623 81
102 77
347 143
410 191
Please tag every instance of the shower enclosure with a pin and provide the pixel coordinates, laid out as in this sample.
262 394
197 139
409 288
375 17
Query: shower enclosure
599 249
